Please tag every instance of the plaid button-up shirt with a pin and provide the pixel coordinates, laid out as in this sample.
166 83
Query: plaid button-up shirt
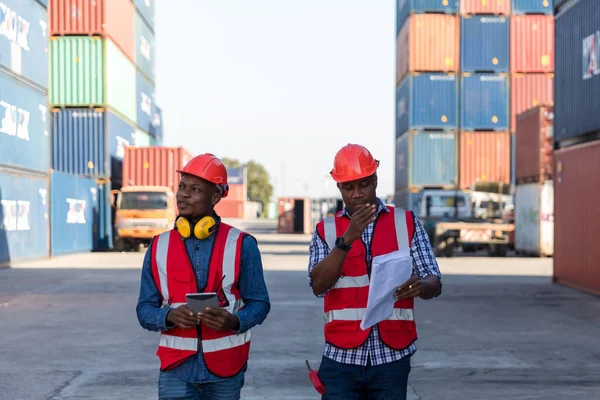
424 263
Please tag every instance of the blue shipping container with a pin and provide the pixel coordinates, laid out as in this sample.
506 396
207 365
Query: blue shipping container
484 102
146 8
145 103
120 135
426 159
532 7
23 217
156 129
43 2
23 126
406 200
577 80
144 47
427 101
235 176
24 39
484 43
406 7
78 214
79 142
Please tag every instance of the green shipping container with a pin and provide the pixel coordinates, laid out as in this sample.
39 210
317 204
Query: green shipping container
91 71
142 139
76 71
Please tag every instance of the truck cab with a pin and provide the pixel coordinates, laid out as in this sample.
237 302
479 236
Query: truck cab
142 212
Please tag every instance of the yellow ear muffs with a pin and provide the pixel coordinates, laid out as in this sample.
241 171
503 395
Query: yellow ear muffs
203 229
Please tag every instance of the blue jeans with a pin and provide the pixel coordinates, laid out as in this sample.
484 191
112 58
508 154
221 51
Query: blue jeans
171 387
373 382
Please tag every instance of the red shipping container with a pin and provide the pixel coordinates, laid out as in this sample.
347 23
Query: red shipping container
485 7
237 192
230 208
576 227
112 18
534 145
528 91
484 156
532 43
154 166
428 42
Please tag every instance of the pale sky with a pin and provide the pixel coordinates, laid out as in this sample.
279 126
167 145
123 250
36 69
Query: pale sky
286 83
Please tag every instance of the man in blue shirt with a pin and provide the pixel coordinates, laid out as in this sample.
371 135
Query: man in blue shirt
203 184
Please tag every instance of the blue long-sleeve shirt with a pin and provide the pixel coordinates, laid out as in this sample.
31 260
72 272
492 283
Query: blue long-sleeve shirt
253 290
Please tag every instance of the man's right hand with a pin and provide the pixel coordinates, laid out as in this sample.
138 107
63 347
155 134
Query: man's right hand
182 317
361 218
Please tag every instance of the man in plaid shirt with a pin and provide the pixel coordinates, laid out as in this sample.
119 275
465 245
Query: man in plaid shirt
373 367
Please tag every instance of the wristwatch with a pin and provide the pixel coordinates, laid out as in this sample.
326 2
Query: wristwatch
339 244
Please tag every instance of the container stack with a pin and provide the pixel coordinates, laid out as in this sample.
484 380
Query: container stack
577 144
234 205
534 191
427 65
461 80
24 142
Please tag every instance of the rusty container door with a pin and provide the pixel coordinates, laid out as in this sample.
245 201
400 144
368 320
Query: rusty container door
532 43
528 91
484 156
576 226
533 147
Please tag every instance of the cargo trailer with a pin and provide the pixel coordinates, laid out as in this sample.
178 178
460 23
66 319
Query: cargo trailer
534 219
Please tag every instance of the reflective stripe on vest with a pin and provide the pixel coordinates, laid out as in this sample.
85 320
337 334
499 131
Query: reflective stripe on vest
208 346
357 314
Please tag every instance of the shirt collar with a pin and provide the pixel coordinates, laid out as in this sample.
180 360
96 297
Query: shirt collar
381 207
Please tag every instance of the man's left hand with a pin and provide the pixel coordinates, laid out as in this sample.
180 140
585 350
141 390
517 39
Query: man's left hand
219 319
411 288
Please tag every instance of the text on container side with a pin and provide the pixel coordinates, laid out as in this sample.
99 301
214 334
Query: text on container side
14 27
15 121
590 55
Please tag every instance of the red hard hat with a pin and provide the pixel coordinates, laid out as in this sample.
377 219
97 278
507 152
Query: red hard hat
353 162
209 168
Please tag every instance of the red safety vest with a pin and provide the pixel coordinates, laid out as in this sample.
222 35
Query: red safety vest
225 352
345 303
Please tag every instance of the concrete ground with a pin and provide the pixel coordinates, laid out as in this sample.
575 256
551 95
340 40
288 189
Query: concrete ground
501 330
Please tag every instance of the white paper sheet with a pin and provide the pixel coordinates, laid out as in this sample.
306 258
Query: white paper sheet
388 272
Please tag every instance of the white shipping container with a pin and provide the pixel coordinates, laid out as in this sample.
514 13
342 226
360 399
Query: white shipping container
534 219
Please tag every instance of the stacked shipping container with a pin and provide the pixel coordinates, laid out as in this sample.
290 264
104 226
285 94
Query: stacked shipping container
24 143
576 127
234 205
467 68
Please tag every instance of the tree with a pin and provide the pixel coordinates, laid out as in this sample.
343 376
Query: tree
259 187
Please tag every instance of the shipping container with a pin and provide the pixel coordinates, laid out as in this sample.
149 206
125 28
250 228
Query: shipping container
534 219
427 101
230 208
406 7
78 214
76 72
534 145
484 101
495 7
120 135
295 215
532 7
236 176
154 166
576 227
24 139
532 43
528 91
577 84
559 3
144 48
121 91
109 18
484 41
146 8
406 200
23 216
513 160
428 43
78 142
426 159
24 40
156 128
145 102
484 156
237 192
